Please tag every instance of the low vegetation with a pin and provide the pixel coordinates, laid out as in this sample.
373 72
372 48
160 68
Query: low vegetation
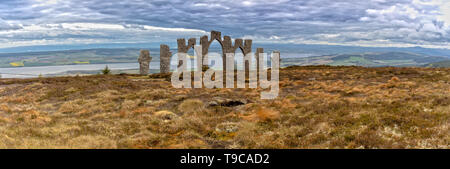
318 107
106 70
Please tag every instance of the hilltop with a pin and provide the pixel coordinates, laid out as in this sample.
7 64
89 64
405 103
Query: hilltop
445 63
397 59
318 107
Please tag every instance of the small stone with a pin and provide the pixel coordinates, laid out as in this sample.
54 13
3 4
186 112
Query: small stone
228 127
149 102
71 90
234 102
213 103
218 101
166 115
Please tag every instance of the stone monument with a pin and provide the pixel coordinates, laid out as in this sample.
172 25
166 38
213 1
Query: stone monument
165 56
144 62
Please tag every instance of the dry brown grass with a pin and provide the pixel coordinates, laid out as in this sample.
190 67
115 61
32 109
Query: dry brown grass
262 114
318 107
191 106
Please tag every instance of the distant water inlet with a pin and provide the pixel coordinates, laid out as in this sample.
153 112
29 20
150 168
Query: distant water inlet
48 71
30 72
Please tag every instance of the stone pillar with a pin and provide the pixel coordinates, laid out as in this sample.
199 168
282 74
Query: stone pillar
247 49
276 51
204 41
164 61
258 51
144 62
183 48
216 35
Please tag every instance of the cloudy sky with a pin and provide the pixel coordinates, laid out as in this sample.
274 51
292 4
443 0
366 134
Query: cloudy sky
397 23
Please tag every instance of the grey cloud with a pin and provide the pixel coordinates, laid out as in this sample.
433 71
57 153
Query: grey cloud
293 21
7 26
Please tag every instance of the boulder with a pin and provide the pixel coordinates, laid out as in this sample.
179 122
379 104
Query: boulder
228 127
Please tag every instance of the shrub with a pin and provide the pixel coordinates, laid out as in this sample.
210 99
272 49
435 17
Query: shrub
106 70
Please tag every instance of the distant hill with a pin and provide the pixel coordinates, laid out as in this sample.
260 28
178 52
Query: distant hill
319 50
445 63
69 57
309 49
289 57
397 59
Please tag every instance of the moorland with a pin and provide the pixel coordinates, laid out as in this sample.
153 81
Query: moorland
318 107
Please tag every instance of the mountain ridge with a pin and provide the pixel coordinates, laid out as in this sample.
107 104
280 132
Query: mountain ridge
129 55
316 49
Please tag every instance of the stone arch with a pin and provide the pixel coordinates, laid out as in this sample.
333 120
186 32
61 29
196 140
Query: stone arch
226 44
246 48
205 42
216 48
184 48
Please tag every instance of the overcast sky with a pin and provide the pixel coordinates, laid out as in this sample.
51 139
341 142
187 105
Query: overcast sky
397 23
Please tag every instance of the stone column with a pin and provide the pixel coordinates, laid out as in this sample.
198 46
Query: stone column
165 56
276 51
258 51
247 49
183 48
144 62
204 41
